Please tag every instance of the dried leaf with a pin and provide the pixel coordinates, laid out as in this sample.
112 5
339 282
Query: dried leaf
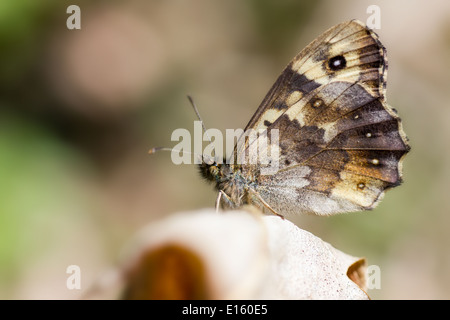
236 255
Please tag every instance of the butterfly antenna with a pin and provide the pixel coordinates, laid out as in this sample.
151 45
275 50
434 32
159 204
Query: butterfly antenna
209 160
198 116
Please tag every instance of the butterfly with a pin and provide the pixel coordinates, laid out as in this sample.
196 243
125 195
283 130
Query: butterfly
339 145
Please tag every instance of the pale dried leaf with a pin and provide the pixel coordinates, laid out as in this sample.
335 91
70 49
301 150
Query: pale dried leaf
236 255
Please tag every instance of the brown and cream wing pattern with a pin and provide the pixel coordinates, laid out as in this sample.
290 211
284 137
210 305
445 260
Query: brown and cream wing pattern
340 145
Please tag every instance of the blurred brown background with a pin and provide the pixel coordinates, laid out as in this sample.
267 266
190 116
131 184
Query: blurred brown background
79 109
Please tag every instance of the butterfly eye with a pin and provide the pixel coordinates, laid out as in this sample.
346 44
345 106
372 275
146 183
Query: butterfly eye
214 170
361 186
337 63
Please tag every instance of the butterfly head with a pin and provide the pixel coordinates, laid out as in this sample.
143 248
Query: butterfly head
214 171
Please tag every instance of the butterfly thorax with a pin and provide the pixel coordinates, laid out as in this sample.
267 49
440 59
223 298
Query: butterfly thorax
230 180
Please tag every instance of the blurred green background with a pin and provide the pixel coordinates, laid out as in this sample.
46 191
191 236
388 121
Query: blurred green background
79 109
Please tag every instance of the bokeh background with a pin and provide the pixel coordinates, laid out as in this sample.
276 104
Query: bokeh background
79 109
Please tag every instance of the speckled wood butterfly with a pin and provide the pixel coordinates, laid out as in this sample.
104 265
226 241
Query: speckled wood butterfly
340 145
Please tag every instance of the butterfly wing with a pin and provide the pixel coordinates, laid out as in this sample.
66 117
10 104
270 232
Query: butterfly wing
340 145
366 62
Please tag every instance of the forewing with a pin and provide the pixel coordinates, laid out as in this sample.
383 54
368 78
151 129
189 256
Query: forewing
365 62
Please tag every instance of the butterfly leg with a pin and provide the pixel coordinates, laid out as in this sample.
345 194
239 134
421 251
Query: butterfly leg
219 198
217 204
256 194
